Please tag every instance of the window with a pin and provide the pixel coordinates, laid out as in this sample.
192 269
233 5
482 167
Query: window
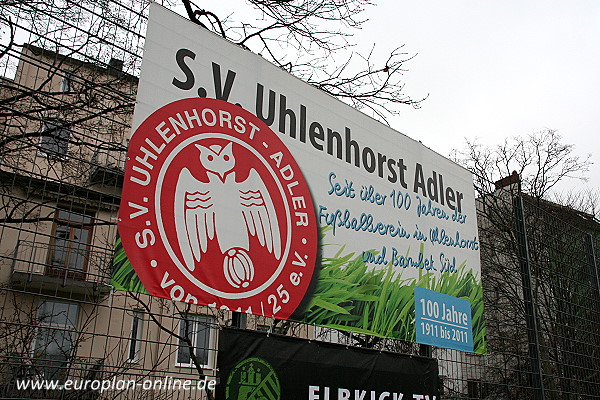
239 320
135 338
72 234
199 329
54 141
66 83
54 338
270 328
476 389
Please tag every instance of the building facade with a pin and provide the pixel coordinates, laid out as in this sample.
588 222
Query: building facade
63 143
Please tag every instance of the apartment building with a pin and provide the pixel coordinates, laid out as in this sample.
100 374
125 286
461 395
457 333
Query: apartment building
64 131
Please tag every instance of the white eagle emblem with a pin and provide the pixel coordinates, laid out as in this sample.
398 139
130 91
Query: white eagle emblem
226 210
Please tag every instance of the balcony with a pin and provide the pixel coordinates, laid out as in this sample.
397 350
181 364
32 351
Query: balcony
108 167
77 272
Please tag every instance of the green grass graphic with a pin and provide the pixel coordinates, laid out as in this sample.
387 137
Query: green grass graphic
124 276
350 296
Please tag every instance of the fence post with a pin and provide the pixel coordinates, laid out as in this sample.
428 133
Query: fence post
425 350
593 270
530 311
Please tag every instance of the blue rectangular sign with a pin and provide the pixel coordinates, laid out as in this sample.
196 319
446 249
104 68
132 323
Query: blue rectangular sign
442 320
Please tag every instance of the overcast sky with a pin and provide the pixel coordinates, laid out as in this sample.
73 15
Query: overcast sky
492 69
497 68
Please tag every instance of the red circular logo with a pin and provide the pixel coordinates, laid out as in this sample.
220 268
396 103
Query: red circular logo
216 211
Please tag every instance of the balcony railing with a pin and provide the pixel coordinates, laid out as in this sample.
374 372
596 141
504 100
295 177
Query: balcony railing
109 167
72 269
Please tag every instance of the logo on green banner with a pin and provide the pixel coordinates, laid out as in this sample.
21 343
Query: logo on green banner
253 379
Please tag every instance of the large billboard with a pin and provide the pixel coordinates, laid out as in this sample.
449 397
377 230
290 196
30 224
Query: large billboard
255 366
248 189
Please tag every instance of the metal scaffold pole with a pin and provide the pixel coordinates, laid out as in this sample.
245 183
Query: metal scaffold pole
537 380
